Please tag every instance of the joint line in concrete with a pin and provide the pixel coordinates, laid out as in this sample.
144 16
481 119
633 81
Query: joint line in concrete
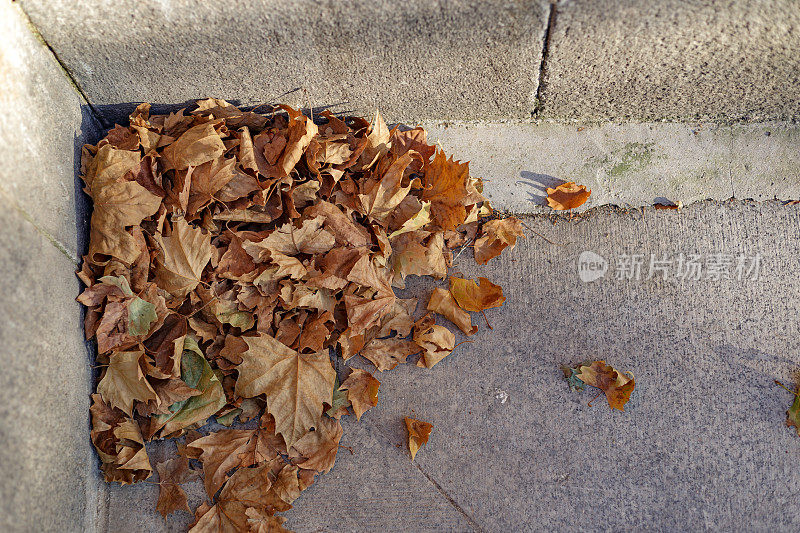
38 35
551 21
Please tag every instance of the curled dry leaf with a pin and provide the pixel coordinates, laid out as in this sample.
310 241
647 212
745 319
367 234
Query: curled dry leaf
471 297
418 433
616 385
442 302
437 341
496 236
567 196
362 391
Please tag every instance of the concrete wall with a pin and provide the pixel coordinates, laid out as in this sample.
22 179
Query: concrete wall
721 60
47 464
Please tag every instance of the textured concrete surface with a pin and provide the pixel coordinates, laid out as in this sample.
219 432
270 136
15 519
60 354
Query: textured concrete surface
47 465
443 60
627 164
42 128
653 59
702 443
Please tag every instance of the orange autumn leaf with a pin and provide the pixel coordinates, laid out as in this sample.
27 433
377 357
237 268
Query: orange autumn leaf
418 433
443 302
616 385
567 196
472 297
496 236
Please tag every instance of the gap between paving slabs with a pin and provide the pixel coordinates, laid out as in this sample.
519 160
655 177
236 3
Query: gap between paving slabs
236 261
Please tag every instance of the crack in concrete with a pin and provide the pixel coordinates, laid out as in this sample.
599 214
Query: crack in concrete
472 522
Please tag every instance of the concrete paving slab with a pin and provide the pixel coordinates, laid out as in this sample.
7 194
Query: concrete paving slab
654 59
42 128
49 470
440 60
626 164
702 443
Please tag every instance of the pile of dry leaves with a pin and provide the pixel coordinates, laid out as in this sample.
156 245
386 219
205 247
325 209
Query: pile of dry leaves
235 259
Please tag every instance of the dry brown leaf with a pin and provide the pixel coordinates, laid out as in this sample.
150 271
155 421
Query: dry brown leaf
616 385
418 433
471 297
319 447
567 196
362 391
386 354
437 342
124 382
196 146
171 497
182 257
442 302
296 385
496 236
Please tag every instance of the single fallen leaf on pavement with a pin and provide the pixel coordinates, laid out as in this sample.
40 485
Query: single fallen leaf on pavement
418 433
171 497
496 236
471 297
362 391
567 196
616 385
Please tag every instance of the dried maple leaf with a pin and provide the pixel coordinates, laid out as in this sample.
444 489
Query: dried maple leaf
182 257
301 130
319 447
386 354
442 302
496 236
171 496
196 146
362 391
616 385
207 179
567 196
117 206
471 297
296 385
124 382
437 342
387 193
264 523
418 433
444 185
